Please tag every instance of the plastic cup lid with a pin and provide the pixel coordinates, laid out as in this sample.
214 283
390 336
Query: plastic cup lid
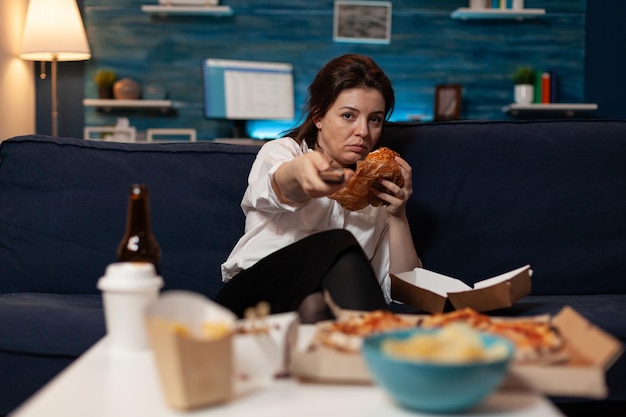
129 275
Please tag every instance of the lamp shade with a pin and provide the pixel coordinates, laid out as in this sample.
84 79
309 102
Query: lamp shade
54 30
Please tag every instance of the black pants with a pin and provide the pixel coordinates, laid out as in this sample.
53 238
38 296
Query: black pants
332 260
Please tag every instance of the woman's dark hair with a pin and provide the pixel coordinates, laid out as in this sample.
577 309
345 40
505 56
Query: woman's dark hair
342 73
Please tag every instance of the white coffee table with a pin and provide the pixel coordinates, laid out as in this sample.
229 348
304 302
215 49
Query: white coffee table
105 384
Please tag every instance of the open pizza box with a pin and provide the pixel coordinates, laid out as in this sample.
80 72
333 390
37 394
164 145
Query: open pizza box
591 352
436 293
309 359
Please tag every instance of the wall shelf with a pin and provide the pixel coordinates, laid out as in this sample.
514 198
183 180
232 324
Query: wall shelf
466 13
568 109
187 10
110 104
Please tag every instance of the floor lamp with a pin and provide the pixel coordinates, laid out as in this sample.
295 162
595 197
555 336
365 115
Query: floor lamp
54 32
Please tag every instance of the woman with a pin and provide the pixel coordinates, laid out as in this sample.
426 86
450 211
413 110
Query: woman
298 243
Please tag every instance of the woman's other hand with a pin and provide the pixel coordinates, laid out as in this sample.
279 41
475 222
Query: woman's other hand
396 197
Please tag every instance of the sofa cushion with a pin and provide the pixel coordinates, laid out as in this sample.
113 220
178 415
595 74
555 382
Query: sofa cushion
50 324
24 375
63 207
492 196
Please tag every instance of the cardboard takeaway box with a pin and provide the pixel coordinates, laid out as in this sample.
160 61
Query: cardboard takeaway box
195 371
592 352
436 293
206 356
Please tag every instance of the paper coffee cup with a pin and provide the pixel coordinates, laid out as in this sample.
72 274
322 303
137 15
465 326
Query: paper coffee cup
127 289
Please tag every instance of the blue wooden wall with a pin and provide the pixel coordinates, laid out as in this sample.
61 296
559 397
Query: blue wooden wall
427 48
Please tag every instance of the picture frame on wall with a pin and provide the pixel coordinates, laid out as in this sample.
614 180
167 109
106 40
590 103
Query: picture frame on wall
447 102
362 22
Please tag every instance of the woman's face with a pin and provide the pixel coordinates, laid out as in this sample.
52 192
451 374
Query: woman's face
351 126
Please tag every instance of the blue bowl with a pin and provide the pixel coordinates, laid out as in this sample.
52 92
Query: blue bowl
430 386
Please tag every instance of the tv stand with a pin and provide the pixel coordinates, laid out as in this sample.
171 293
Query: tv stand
240 129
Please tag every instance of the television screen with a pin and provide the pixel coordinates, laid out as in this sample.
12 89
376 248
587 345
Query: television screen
248 90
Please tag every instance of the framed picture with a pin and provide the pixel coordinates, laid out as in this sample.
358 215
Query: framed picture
447 102
362 21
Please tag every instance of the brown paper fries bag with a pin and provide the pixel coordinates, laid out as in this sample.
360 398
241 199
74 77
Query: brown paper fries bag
192 338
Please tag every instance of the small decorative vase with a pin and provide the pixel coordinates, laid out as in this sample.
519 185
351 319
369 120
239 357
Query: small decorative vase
126 89
524 93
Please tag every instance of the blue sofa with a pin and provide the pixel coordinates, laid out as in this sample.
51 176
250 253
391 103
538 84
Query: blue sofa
488 197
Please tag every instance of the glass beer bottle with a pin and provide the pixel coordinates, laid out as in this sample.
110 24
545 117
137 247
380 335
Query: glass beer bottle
138 243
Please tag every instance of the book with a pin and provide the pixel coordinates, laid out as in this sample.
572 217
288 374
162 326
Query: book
545 87
537 90
554 87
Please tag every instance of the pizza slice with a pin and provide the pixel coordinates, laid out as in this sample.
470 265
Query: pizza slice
347 333
536 340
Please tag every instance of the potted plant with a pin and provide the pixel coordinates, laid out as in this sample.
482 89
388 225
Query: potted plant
524 80
104 79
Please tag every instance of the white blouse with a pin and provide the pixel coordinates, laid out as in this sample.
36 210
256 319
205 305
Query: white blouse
272 225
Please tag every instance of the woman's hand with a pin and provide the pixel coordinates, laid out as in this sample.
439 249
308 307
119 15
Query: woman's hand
396 197
299 180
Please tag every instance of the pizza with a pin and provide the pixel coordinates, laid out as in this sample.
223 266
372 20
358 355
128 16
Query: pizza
346 334
536 339
465 315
